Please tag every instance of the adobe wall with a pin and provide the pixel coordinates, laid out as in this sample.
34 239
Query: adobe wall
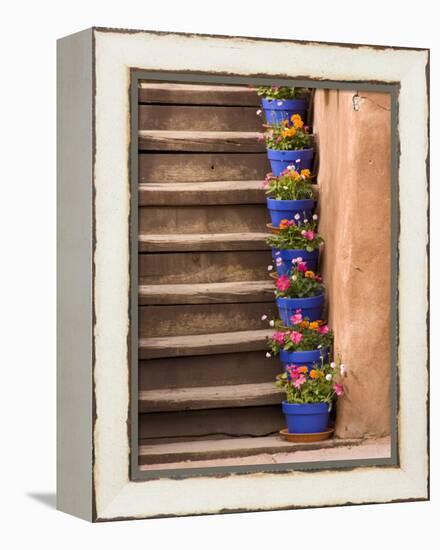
354 183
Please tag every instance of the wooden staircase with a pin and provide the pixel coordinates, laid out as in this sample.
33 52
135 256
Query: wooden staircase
203 376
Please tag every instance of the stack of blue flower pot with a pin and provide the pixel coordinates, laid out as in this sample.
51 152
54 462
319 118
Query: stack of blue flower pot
275 111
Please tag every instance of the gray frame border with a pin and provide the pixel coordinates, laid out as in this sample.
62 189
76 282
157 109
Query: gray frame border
392 88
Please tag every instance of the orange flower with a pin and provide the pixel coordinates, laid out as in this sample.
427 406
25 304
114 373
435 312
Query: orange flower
314 325
304 324
303 369
309 274
297 121
306 173
315 373
284 223
288 132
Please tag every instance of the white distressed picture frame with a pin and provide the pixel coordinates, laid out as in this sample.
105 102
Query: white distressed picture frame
94 456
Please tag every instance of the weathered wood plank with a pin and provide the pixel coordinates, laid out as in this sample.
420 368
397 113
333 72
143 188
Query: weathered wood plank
202 241
195 167
196 118
159 321
202 370
203 267
202 193
197 94
164 453
223 142
213 219
240 421
204 293
204 344
212 397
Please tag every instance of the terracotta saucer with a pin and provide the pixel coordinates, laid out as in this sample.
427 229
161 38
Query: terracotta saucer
306 438
272 228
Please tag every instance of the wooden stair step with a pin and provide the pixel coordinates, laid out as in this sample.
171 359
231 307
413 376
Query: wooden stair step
201 193
157 321
211 397
199 118
205 293
210 423
201 241
197 94
204 267
249 367
205 166
206 141
231 447
212 219
204 344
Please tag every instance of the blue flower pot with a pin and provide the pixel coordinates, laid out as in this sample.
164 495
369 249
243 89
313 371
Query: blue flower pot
299 158
310 307
277 110
310 258
309 359
287 210
307 418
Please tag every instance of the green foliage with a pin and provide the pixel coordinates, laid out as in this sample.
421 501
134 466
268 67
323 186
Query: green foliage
296 236
303 336
300 283
288 136
289 185
301 287
281 92
320 385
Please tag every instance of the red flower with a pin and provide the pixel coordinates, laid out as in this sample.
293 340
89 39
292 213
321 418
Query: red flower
283 283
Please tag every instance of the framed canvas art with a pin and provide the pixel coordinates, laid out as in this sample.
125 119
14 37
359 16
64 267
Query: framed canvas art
242 274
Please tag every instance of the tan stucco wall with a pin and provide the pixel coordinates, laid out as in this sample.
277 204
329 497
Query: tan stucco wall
354 186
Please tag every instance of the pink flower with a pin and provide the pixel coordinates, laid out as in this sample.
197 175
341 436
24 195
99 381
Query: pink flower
260 137
296 337
318 278
278 337
296 319
283 283
339 389
299 381
309 235
302 266
293 371
323 330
